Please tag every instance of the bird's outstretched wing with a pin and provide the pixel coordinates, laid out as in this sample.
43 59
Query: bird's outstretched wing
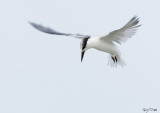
127 31
51 31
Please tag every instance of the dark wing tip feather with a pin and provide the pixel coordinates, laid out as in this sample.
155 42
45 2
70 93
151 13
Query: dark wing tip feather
44 29
133 23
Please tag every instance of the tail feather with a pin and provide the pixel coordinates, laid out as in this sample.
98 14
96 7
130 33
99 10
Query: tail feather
114 61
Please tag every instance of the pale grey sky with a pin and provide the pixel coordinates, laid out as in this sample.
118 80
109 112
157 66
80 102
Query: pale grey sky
41 73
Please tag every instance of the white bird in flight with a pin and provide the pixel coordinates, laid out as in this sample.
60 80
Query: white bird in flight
105 43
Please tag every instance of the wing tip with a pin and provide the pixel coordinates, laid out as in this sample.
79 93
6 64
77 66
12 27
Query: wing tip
33 24
133 23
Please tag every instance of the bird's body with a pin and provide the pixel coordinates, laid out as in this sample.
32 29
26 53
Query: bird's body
105 46
104 43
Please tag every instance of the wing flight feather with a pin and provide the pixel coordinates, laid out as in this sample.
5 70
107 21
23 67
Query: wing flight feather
52 31
122 34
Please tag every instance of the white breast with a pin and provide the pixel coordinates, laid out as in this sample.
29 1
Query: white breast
102 45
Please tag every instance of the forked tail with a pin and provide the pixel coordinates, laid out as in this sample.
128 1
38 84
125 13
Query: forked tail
115 60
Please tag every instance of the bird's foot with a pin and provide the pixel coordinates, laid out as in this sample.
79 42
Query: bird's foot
114 59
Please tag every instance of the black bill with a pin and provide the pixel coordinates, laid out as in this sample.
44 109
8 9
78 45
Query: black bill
82 54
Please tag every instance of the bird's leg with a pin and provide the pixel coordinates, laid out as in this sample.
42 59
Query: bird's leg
113 59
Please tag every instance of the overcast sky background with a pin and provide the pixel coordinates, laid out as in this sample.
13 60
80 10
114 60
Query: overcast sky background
41 73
